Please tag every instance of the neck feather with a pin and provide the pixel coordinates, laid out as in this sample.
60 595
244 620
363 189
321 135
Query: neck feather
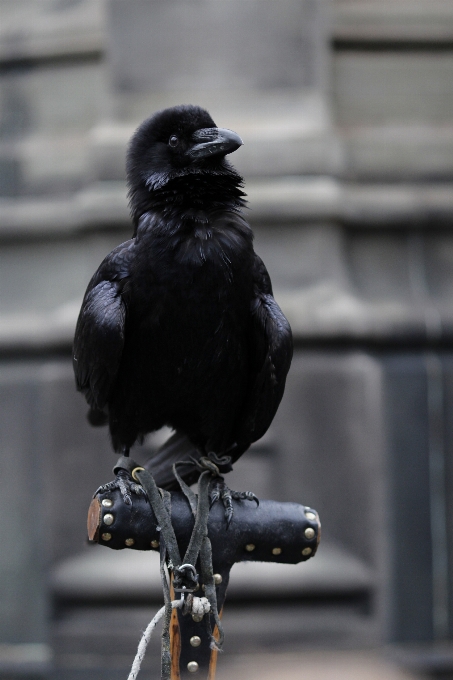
193 191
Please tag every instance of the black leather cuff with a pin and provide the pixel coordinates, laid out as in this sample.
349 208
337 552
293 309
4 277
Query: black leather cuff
125 463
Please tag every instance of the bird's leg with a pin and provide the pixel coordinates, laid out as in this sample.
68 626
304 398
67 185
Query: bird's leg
220 491
124 483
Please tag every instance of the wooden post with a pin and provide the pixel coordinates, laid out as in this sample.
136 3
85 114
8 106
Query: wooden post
175 641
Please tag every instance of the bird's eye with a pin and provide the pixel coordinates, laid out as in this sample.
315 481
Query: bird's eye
173 141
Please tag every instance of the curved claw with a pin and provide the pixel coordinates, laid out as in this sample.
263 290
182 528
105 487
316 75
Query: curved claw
254 498
124 490
245 496
125 485
104 488
138 489
227 501
220 491
214 496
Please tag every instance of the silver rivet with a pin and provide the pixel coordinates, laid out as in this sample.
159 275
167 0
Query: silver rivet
307 551
310 515
192 666
106 537
249 547
197 617
129 542
309 532
154 544
195 641
108 519
276 551
107 502
217 579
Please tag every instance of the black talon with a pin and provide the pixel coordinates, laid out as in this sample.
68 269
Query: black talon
245 496
124 487
254 498
139 490
227 501
214 497
220 491
124 483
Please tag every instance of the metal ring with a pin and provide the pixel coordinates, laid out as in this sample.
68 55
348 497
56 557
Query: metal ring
134 471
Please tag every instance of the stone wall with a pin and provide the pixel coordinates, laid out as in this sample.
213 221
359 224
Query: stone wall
345 109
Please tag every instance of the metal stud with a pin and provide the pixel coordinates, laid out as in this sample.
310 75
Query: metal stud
192 666
310 515
307 551
107 502
276 551
106 536
309 533
154 544
249 547
197 617
129 542
108 519
217 579
195 641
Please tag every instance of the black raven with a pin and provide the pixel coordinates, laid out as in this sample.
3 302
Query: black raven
178 325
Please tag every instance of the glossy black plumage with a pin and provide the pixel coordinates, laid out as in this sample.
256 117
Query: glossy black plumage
178 325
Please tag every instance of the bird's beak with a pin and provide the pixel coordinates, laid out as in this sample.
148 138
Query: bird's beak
211 142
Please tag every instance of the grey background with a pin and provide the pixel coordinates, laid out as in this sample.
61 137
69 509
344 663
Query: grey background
346 110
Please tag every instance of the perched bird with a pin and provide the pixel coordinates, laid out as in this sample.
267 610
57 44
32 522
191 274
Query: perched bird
179 326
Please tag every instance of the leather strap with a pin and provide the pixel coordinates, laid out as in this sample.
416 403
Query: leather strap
162 516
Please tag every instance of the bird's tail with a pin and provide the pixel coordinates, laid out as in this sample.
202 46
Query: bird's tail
178 448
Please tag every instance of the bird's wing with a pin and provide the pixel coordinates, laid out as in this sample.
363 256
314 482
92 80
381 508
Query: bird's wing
271 352
99 336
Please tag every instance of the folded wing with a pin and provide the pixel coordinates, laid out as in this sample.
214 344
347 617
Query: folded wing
99 341
271 353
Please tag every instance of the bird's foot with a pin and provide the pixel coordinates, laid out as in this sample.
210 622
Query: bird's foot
125 484
221 492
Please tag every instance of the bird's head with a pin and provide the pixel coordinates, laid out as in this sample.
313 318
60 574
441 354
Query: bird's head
179 142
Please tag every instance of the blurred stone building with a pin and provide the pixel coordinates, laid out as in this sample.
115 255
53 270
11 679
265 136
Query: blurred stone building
346 110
